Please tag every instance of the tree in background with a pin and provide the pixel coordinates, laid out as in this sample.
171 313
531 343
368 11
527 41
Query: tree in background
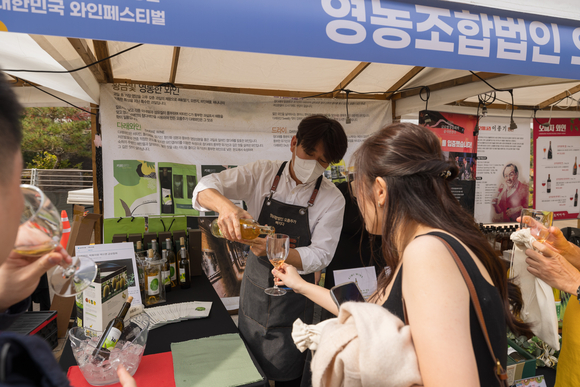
55 135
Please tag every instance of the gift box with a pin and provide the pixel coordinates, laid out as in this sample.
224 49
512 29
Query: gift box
520 370
103 299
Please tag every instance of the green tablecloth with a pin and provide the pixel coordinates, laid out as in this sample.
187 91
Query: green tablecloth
213 361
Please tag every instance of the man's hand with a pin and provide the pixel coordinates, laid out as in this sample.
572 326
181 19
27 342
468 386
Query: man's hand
229 213
257 245
19 275
229 222
552 268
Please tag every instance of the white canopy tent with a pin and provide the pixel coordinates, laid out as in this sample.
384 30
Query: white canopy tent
279 75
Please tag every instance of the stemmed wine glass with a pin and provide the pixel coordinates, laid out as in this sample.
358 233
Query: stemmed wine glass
40 232
277 248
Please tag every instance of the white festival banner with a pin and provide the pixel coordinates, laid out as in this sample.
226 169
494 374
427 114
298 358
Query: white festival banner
158 141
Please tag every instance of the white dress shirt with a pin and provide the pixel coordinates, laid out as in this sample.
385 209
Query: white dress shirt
252 183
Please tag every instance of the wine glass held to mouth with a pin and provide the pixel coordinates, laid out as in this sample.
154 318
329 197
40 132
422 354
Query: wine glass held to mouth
39 233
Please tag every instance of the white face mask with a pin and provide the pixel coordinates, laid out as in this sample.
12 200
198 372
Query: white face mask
306 170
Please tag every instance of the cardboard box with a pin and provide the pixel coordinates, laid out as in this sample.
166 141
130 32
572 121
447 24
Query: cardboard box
164 235
148 237
103 299
119 238
135 237
521 370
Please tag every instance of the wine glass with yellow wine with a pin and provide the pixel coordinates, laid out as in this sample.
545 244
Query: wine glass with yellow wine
277 249
40 232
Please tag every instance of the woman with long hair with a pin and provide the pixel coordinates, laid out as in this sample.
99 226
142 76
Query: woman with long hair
402 189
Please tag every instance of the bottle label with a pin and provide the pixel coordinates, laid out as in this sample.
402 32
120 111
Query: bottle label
166 277
498 245
182 275
153 285
173 270
112 339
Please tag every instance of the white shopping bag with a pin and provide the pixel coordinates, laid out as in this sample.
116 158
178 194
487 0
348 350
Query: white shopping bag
539 308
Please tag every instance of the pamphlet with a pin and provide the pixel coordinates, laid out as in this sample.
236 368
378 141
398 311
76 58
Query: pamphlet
172 313
365 278
120 253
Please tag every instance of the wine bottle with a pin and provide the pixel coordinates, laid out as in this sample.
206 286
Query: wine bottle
152 280
138 257
576 198
184 277
166 273
550 151
575 170
155 248
515 355
549 184
112 332
172 262
182 246
249 228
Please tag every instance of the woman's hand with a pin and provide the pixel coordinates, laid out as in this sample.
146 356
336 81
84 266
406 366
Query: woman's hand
125 377
288 276
551 267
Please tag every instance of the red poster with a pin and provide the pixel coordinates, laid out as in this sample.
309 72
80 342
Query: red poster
458 142
556 158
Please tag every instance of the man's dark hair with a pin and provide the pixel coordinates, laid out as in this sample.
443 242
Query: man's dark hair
510 165
10 132
314 129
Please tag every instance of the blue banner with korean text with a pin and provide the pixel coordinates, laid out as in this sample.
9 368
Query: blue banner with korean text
427 33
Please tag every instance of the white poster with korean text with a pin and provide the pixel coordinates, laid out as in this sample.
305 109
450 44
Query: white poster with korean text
557 151
158 141
503 169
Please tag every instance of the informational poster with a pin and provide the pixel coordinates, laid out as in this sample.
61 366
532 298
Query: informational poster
456 133
503 169
159 141
556 157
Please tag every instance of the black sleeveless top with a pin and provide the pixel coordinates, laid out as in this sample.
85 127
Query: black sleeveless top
491 305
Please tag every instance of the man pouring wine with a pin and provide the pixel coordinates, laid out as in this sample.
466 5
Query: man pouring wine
295 199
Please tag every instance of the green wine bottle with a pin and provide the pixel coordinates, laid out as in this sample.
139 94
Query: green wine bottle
184 277
112 333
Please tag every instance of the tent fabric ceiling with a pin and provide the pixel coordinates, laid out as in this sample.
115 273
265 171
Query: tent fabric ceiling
268 74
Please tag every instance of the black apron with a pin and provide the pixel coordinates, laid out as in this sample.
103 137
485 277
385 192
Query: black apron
265 322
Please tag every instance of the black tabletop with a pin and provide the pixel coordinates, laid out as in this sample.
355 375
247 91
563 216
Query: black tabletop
160 339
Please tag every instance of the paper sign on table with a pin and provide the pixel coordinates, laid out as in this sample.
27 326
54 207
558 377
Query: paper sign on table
365 278
120 253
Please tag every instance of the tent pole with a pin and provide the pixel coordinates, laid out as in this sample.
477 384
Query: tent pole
96 202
